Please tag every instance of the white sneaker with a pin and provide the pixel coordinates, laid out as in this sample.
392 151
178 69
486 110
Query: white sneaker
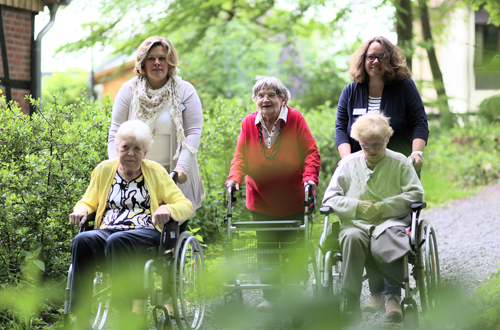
266 306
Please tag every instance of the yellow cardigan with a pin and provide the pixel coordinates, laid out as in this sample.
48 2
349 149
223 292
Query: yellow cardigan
162 190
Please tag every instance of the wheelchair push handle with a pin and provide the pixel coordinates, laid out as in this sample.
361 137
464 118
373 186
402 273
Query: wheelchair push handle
175 176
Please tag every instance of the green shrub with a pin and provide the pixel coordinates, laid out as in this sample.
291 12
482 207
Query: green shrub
45 164
468 156
489 109
221 129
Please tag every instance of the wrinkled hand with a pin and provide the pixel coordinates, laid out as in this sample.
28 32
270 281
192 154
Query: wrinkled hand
182 175
161 216
368 211
230 183
78 217
417 161
313 185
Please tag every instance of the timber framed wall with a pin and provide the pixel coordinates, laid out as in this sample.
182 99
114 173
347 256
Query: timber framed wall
16 40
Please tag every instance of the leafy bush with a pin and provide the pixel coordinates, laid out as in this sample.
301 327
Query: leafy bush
468 156
221 129
489 109
45 165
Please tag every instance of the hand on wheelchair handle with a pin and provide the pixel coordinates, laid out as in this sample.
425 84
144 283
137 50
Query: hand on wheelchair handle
416 161
161 216
181 175
78 217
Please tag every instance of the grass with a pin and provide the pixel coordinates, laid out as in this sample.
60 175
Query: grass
439 188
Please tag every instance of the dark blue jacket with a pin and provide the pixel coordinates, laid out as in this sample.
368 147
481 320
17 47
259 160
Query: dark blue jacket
400 101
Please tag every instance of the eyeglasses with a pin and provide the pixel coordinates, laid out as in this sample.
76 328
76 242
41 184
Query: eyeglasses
372 57
270 96
375 145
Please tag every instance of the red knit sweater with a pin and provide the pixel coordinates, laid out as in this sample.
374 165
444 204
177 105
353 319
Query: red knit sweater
275 186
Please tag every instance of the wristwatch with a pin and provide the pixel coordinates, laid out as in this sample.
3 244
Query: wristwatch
418 152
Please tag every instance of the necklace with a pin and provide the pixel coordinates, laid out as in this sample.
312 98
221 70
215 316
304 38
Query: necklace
277 143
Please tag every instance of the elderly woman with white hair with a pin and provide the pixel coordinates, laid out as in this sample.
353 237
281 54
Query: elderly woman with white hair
133 198
371 192
278 154
172 109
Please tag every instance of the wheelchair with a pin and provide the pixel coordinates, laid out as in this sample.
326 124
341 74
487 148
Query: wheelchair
242 251
179 267
422 264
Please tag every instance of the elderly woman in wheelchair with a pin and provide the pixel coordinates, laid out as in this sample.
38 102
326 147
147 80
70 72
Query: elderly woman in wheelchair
132 198
371 192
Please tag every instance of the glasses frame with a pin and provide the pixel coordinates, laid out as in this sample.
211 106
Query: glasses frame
375 145
380 58
275 95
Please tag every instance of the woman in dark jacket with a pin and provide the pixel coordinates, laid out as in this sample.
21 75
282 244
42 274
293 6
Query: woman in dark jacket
382 83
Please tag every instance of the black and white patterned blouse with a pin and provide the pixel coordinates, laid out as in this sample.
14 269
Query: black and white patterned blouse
128 205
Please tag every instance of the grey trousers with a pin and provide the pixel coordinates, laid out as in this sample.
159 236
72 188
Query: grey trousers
355 244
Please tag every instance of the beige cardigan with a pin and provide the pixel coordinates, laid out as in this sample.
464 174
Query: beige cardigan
393 184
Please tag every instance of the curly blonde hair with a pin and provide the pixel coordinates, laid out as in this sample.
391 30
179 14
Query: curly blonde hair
395 65
144 49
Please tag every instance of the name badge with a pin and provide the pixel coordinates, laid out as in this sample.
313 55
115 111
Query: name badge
359 111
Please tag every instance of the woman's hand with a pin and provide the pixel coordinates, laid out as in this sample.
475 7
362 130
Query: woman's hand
230 183
161 216
182 175
417 161
78 217
312 183
368 211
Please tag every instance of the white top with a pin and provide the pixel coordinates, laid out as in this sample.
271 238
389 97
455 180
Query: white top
393 184
373 104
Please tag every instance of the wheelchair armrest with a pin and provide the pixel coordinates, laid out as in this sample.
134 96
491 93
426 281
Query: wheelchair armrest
326 210
89 223
418 206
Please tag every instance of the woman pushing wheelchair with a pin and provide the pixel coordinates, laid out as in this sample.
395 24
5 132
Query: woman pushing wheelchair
132 197
371 192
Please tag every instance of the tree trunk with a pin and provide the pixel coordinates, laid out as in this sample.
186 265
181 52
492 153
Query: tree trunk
446 118
404 28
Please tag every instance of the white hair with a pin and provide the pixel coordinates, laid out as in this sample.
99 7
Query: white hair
270 82
137 129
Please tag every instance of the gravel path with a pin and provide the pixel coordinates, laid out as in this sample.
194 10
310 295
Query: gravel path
469 248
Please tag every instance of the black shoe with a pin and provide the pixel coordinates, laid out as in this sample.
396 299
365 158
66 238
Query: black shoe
351 311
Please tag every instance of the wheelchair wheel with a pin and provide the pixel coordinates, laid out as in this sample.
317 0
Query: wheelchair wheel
189 294
429 276
410 318
323 287
101 298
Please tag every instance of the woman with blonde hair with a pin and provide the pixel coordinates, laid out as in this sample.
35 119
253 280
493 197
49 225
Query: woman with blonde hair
170 106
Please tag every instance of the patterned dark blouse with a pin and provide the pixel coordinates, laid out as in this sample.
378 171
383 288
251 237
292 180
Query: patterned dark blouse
128 205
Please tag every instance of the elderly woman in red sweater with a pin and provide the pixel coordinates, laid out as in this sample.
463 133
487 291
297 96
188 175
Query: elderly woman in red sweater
279 156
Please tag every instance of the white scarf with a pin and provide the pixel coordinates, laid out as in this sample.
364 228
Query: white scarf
148 102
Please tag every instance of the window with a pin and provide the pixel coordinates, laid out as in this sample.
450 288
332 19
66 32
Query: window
486 53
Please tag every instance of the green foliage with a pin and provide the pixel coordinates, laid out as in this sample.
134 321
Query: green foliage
69 86
489 318
491 6
489 109
467 156
321 122
221 128
45 166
